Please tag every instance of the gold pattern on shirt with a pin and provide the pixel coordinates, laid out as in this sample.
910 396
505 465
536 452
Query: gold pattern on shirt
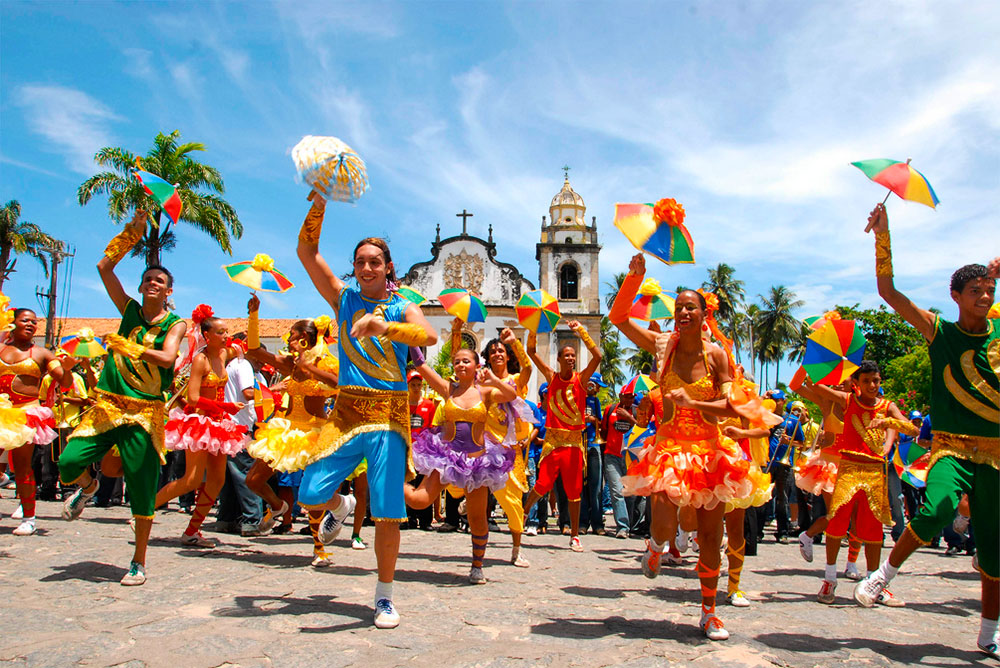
141 377
975 379
564 405
970 402
380 368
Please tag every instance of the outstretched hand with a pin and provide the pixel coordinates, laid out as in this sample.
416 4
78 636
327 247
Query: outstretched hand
254 304
369 325
637 266
878 220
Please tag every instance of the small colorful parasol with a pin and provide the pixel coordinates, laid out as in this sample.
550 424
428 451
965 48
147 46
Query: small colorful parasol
641 384
652 303
911 463
538 311
900 178
331 167
815 322
463 304
258 274
161 191
657 229
411 295
636 440
834 351
83 344
263 402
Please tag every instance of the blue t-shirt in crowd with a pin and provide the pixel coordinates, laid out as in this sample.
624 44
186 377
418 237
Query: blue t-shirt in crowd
593 407
791 426
925 429
535 449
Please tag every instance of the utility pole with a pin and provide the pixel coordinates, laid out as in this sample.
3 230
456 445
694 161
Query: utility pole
58 255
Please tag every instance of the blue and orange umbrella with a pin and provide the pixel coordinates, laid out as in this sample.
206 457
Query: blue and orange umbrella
258 274
833 352
463 304
911 463
636 440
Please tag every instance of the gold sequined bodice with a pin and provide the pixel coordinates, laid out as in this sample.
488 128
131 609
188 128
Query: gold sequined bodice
310 388
455 413
26 367
689 423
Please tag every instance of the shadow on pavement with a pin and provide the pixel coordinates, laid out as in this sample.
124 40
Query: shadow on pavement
266 606
88 571
276 560
901 652
595 592
632 629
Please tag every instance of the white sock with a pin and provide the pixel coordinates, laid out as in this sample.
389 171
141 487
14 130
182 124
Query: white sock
383 590
656 547
830 574
987 631
887 571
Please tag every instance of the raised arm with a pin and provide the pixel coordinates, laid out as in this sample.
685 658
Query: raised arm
507 338
118 248
327 283
254 352
136 351
922 320
496 391
826 394
592 348
619 314
413 331
436 382
543 368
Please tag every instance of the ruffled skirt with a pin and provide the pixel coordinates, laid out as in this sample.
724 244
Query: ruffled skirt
759 495
701 474
460 469
20 426
817 475
286 446
199 433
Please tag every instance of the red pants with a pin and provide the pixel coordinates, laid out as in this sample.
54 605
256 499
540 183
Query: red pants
569 462
867 528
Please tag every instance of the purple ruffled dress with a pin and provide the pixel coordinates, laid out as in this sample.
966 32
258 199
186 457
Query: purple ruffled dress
455 459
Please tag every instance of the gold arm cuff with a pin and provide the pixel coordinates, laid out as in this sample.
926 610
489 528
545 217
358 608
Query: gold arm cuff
456 339
409 333
726 389
253 330
123 242
883 254
585 337
53 364
521 355
902 426
120 344
312 226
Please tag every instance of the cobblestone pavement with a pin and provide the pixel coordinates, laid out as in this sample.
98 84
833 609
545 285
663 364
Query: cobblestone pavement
257 602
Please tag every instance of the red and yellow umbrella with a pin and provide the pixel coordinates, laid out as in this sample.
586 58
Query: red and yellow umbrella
833 352
900 178
652 303
538 311
83 344
463 304
258 274
641 384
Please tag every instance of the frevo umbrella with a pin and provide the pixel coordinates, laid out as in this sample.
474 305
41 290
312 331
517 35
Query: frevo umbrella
538 311
258 274
83 344
652 303
833 352
900 178
641 384
463 304
410 295
910 463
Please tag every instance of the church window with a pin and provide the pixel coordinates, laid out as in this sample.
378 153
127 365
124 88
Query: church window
568 282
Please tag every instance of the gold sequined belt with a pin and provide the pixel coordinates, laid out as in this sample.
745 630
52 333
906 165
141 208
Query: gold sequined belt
976 449
361 405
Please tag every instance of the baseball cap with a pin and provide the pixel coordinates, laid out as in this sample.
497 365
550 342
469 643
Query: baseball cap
597 380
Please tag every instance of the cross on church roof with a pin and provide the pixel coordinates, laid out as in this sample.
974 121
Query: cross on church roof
566 169
465 215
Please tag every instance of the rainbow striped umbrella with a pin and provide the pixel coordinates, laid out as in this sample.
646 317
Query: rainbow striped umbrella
652 303
258 274
83 344
834 351
641 384
463 304
815 322
410 295
899 178
657 229
162 191
910 463
538 311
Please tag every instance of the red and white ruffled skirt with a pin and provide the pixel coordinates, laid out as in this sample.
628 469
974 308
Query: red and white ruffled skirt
818 474
199 433
28 423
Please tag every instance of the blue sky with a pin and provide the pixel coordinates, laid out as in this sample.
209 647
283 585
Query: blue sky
747 113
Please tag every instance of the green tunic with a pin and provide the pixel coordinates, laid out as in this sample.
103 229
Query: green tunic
136 378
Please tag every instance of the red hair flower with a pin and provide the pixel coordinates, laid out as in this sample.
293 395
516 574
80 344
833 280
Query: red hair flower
668 211
711 301
203 311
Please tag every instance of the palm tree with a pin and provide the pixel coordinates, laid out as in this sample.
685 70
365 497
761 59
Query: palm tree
750 314
797 350
729 290
614 355
640 361
19 236
776 326
198 185
614 286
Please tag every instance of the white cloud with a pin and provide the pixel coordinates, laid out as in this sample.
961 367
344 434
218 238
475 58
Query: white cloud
72 122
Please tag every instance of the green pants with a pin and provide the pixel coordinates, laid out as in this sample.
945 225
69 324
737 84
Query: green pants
947 480
140 462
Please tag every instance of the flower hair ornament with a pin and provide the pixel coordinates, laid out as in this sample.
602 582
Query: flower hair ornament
193 337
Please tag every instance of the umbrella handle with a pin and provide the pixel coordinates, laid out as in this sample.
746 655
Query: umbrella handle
886 197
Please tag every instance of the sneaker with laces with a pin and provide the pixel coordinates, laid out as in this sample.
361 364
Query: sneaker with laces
321 560
197 540
621 533
136 575
806 547
867 591
738 599
73 506
386 616
517 560
476 576
712 627
270 517
852 572
330 525
827 592
574 544
357 543
18 513
887 599
651 561
25 528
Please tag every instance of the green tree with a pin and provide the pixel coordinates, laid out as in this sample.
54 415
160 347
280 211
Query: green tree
19 236
613 355
614 286
198 185
907 379
888 335
777 328
727 288
639 360
797 348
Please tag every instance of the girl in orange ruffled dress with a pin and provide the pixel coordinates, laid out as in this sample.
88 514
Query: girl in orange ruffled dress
689 463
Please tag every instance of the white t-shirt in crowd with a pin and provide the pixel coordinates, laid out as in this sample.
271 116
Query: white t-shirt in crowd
241 377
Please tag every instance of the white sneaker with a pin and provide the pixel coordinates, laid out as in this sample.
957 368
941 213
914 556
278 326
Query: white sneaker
197 540
331 524
476 576
738 600
806 547
713 629
270 517
867 591
517 560
852 572
74 505
827 592
386 616
136 575
357 543
531 531
683 541
26 528
18 514
321 560
574 544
